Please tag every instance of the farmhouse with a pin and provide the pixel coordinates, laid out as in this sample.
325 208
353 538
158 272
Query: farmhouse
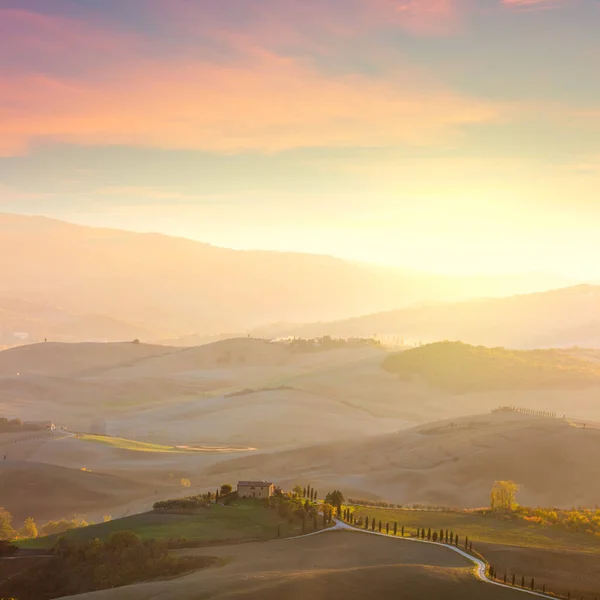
255 489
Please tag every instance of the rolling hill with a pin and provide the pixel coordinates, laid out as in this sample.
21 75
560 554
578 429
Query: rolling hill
461 368
559 318
453 462
73 360
333 565
177 286
44 491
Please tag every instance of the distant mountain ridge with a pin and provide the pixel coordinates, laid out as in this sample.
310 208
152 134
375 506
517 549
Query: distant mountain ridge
177 286
23 322
554 319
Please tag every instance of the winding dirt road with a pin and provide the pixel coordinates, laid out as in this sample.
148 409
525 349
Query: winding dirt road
480 570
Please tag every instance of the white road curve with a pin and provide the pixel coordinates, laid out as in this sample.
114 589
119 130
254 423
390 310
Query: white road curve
479 564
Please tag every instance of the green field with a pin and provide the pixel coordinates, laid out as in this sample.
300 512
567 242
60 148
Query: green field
245 521
488 529
124 444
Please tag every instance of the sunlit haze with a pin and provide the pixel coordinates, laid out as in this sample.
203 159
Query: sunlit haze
299 299
453 136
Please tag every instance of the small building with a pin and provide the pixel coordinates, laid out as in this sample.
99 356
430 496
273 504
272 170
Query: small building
255 489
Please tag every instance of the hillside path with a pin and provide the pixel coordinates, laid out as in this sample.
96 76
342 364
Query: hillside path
480 565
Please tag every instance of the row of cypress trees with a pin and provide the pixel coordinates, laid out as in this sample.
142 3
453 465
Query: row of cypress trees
444 536
309 493
524 584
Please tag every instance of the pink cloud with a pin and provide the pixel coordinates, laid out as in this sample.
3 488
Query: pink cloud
528 5
429 17
32 37
260 100
272 104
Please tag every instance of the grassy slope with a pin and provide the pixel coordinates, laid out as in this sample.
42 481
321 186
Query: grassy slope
460 367
332 566
124 444
242 522
486 529
562 572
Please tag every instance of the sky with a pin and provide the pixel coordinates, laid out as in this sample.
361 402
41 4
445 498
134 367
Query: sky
454 136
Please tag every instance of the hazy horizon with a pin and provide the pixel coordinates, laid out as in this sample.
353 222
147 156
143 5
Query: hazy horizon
395 132
276 268
569 280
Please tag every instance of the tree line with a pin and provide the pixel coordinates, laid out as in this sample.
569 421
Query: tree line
16 425
526 411
328 343
79 567
223 494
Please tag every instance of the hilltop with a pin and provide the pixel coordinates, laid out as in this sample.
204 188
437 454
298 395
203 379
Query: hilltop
73 360
176 286
460 368
559 318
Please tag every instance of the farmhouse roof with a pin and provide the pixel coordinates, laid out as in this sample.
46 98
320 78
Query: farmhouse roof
256 483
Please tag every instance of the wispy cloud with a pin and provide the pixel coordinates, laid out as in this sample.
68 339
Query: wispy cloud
429 17
271 105
256 99
531 5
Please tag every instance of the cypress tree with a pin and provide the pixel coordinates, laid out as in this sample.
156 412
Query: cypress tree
379 525
429 534
387 528
373 524
316 494
396 528
522 581
366 522
418 533
456 540
435 536
470 546
504 577
532 584
446 536
513 580
441 536
402 530
467 542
